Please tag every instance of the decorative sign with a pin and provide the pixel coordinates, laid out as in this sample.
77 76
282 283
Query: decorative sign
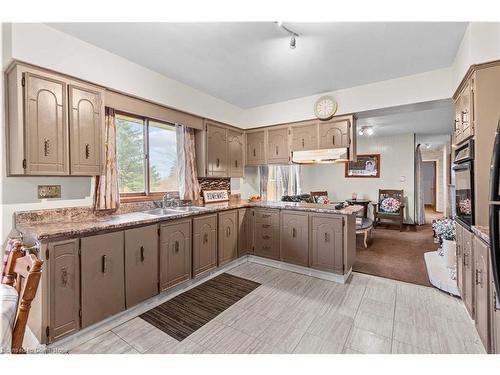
215 196
49 191
365 166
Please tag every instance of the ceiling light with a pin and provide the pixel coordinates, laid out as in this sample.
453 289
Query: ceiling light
292 42
293 34
366 130
360 132
369 130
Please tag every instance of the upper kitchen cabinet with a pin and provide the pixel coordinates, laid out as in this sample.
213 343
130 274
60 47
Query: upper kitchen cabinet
47 116
464 112
278 150
305 136
335 133
235 151
256 152
85 130
219 151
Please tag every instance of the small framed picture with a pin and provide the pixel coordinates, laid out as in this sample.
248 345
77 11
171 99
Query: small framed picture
211 196
365 166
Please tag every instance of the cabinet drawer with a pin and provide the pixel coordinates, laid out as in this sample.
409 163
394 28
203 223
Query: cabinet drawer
103 277
266 216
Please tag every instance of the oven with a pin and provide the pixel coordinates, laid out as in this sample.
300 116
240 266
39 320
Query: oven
464 183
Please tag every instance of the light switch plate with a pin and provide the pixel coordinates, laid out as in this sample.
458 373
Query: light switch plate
49 191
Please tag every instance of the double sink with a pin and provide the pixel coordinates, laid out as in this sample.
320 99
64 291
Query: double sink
171 211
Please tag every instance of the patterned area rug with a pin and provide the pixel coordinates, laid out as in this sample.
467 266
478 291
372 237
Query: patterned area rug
191 310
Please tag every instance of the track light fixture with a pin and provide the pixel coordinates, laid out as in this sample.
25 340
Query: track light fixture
366 130
293 34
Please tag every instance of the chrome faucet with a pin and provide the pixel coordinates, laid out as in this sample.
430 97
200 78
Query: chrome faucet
170 201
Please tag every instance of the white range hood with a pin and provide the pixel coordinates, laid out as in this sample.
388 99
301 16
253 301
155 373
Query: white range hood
331 155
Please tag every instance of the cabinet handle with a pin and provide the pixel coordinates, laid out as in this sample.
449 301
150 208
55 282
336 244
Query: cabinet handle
205 238
294 232
176 246
64 276
228 231
494 299
236 163
253 152
457 125
265 237
333 139
87 151
46 146
266 215
142 253
479 277
217 162
104 264
276 149
326 237
464 259
302 142
265 225
266 247
465 117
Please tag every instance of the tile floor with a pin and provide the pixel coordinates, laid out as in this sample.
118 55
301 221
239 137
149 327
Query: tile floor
293 313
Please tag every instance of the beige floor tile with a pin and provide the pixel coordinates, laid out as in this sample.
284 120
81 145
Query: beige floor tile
378 308
310 344
107 343
333 327
368 342
209 334
267 306
351 351
415 335
141 335
232 342
353 296
404 348
373 323
295 317
282 335
259 347
185 346
230 315
251 323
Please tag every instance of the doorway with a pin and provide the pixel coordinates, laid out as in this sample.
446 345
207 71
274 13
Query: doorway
429 177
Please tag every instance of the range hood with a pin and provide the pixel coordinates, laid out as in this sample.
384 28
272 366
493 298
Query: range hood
326 156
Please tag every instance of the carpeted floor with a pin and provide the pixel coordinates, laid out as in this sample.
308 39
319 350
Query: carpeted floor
397 255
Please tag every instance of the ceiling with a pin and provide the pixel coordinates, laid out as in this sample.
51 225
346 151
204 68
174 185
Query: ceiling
250 64
429 120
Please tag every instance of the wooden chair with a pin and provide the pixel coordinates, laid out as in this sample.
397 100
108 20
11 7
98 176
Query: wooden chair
23 272
396 216
316 194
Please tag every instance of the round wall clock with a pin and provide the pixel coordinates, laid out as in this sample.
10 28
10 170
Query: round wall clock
325 107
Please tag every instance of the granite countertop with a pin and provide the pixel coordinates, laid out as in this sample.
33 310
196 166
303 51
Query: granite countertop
482 232
43 225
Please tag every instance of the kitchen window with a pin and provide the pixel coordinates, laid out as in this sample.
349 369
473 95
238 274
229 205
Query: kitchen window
146 156
279 180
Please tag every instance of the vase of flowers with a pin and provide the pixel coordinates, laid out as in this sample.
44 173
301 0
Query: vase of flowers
445 230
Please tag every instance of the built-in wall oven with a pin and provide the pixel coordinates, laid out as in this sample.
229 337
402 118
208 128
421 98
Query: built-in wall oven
463 169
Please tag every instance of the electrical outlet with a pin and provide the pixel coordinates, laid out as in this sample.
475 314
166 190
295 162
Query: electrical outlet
49 191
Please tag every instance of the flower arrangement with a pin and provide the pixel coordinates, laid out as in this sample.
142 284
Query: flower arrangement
445 229
465 206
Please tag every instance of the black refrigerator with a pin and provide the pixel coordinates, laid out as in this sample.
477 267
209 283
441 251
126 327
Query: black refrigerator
495 209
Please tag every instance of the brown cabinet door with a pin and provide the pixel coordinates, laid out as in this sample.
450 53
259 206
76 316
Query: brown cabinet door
460 259
175 253
327 243
204 243
85 130
294 237
255 148
267 233
481 291
466 111
141 264
468 286
228 236
46 130
305 137
334 134
102 277
495 315
277 146
235 146
64 288
246 230
457 126
217 151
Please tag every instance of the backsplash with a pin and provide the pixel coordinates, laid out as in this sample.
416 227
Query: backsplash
214 183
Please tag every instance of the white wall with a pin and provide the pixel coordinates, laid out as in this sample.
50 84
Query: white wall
396 160
438 155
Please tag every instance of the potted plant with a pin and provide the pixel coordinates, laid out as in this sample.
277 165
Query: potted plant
445 230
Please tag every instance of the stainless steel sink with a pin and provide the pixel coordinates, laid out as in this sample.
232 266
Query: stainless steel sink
162 212
188 208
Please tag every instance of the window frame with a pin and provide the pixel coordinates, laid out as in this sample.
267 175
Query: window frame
147 195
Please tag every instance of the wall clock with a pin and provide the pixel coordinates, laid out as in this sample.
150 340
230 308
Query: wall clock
325 107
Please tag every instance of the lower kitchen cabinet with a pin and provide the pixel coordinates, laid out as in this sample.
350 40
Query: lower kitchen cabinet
64 269
245 232
468 271
102 277
327 243
204 243
494 316
481 291
175 253
459 235
141 264
267 233
228 236
294 237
